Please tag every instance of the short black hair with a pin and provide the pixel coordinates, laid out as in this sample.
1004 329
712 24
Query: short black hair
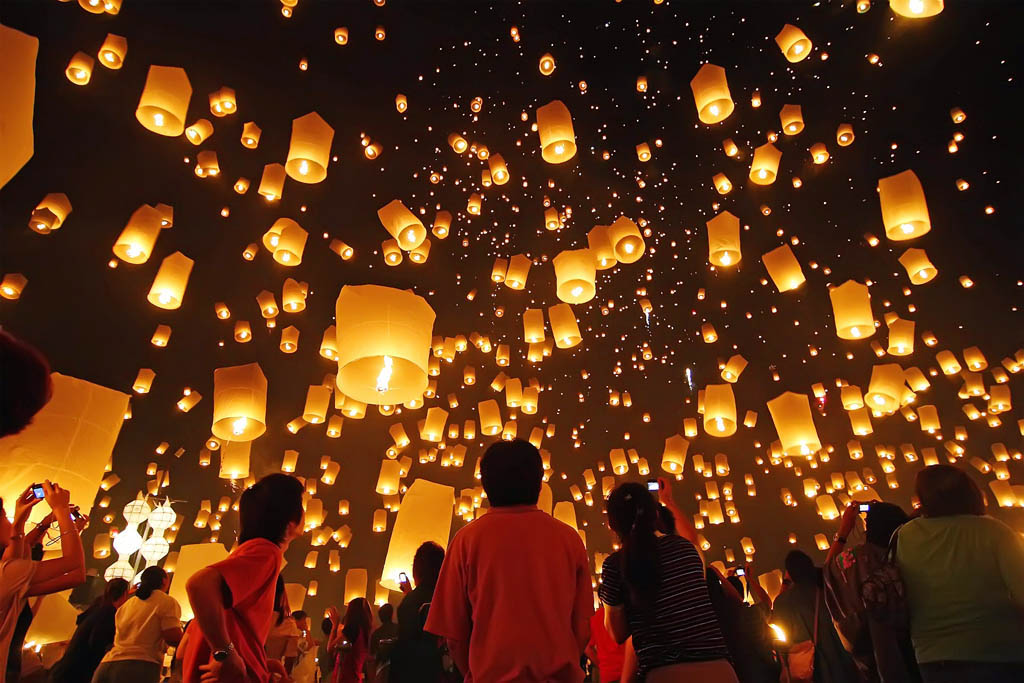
882 520
512 472
426 564
801 568
26 387
299 614
385 613
945 490
266 508
326 626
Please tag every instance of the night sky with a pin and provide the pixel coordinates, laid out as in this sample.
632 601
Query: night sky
94 322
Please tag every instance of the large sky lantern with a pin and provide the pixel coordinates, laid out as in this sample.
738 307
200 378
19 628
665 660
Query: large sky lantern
673 457
783 268
383 344
286 240
239 402
851 309
904 209
402 224
919 268
599 241
917 9
163 105
765 165
575 275
791 413
711 94
626 240
724 239
794 43
272 182
425 515
564 327
518 271
719 410
171 279
136 241
309 151
886 388
554 128
50 213
234 459
791 116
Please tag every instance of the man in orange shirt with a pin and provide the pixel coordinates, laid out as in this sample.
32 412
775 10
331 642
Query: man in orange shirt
603 651
233 599
514 596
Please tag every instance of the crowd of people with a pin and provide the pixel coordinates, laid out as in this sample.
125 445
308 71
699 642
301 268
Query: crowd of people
936 597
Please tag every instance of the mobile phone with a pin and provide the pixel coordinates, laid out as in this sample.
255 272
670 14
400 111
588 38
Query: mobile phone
403 578
740 571
75 514
864 507
38 491
652 485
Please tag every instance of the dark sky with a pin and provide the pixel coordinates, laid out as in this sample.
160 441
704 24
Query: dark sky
94 322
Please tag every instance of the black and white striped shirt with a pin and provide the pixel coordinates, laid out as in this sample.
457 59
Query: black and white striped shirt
682 626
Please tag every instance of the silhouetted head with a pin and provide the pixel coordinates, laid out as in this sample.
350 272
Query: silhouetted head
945 490
511 473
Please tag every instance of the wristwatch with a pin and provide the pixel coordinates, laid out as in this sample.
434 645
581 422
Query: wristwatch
221 655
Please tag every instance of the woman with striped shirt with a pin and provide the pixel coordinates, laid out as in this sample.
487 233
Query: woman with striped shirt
654 590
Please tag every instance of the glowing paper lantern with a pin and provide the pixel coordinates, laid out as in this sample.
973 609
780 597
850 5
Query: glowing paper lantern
904 210
564 328
18 81
724 239
234 459
309 151
783 268
733 368
498 169
795 45
765 165
719 410
135 243
554 127
383 344
239 402
286 239
917 9
721 183
711 94
425 515
674 455
851 307
50 213
199 131
791 414
192 558
388 480
318 398
79 69
442 224
546 64
272 182
164 101
402 224
901 337
919 269
599 242
626 240
575 275
844 135
886 388
518 271
12 285
792 118
168 287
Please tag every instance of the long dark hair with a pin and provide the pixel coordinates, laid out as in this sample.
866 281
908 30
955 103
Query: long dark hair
945 490
358 620
152 580
633 515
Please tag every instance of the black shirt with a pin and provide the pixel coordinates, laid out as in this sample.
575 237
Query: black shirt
681 626
91 640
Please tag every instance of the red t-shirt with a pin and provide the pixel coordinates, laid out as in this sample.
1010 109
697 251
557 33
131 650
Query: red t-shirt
516 587
250 572
610 654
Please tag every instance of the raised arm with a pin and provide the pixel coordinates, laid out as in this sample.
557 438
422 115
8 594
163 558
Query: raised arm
206 594
845 529
68 570
684 525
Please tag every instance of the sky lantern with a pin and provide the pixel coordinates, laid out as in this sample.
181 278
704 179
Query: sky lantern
309 151
851 308
457 143
421 252
199 131
919 269
844 135
206 164
318 398
383 344
917 9
546 64
79 69
239 402
733 369
791 414
575 275
425 515
783 268
18 71
885 388
168 287
724 239
442 224
564 327
721 183
490 417
554 128
791 117
901 337
234 459
643 152
518 271
711 94
113 50
388 479
474 203
795 45
533 325
251 135
600 243
50 213
293 295
719 410
674 456
401 103
765 164
272 182
223 102
12 285
819 153
498 169
904 210
626 240
164 102
286 239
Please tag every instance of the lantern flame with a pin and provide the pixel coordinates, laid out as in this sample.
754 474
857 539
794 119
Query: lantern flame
384 378
158 119
238 426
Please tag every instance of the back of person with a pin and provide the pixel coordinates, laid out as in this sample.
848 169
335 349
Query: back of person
964 577
521 570
140 625
610 655
793 611
92 638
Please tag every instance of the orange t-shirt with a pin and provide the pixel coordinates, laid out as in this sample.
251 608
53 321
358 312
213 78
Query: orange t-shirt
610 655
516 587
250 572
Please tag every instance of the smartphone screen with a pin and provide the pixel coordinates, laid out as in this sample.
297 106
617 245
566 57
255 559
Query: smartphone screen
38 492
652 485
864 507
741 572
